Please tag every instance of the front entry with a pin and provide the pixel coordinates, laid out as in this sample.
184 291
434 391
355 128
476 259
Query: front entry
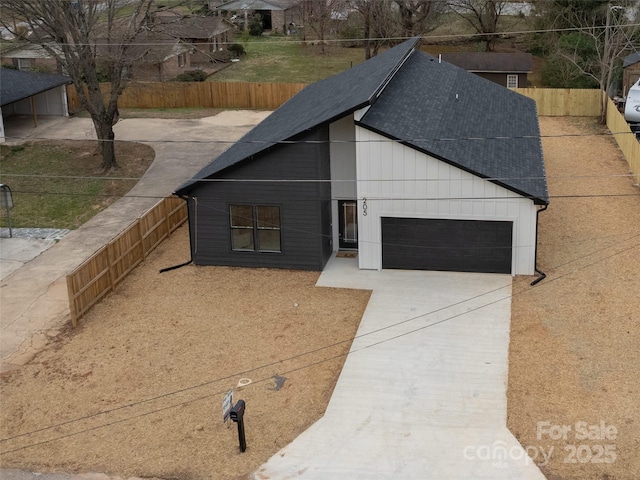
348 218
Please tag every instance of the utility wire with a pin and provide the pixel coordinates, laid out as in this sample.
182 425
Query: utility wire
313 351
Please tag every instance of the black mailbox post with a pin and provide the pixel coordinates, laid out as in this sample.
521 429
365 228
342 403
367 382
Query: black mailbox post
237 415
6 202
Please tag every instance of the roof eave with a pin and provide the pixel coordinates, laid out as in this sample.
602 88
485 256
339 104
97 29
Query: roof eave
536 200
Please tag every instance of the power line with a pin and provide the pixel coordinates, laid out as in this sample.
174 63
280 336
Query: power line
309 365
381 140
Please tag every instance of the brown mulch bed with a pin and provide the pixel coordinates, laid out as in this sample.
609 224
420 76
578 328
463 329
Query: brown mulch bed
137 388
574 353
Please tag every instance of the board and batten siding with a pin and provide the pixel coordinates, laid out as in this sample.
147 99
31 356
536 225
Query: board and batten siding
343 168
283 176
398 181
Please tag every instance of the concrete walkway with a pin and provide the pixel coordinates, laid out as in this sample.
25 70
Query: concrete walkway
34 298
423 390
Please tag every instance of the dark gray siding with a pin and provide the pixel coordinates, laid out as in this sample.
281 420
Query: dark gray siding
305 206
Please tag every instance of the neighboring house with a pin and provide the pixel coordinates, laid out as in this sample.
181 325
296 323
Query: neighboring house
507 69
207 34
159 57
29 57
30 93
277 15
414 163
630 71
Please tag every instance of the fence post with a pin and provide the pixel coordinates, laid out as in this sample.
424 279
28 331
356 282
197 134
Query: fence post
72 301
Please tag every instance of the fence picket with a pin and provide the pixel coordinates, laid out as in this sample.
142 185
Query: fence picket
108 267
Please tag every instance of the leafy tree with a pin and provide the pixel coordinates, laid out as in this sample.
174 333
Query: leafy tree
88 38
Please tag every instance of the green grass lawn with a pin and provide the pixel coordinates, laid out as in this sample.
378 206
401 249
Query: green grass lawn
286 59
60 184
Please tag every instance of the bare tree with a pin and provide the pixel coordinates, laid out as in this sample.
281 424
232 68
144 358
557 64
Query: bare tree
595 48
321 16
88 38
378 23
482 15
418 16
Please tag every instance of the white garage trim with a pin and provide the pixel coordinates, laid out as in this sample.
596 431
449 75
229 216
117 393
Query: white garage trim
397 181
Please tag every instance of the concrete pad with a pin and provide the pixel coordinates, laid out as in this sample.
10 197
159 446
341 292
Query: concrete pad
15 252
423 390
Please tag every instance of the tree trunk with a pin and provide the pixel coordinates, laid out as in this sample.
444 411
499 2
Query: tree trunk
106 146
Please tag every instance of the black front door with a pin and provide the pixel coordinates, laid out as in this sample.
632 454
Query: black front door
348 218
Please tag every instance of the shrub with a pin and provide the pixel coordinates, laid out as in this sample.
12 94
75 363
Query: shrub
255 25
192 76
237 49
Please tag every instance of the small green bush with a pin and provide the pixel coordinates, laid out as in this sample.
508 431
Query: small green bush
237 49
255 25
192 76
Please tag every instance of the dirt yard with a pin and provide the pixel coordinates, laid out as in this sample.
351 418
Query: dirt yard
137 389
575 337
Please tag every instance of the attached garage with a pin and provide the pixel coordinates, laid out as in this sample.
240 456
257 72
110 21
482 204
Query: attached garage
414 179
447 245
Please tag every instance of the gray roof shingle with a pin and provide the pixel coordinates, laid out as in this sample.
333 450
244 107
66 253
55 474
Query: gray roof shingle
318 103
631 59
463 120
491 62
487 129
17 85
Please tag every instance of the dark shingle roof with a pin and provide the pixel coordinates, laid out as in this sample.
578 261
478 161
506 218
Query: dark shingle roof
250 5
16 84
491 61
487 130
192 26
631 59
464 120
321 102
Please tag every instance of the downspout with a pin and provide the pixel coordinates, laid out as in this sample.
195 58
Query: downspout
535 260
175 267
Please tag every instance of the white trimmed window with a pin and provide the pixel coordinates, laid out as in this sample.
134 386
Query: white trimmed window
24 63
512 81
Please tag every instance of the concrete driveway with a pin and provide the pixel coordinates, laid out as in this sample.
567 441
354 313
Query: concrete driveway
423 390
33 294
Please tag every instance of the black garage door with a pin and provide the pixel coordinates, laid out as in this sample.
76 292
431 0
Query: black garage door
450 245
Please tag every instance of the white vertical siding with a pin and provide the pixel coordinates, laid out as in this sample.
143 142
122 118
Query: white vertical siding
342 149
397 181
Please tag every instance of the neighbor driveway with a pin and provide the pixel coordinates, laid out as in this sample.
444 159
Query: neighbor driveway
422 393
34 299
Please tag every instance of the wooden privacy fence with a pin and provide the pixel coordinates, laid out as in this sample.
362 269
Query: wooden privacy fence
254 96
564 102
269 96
109 266
626 139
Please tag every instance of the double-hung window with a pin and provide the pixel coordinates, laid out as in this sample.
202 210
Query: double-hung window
255 228
512 81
